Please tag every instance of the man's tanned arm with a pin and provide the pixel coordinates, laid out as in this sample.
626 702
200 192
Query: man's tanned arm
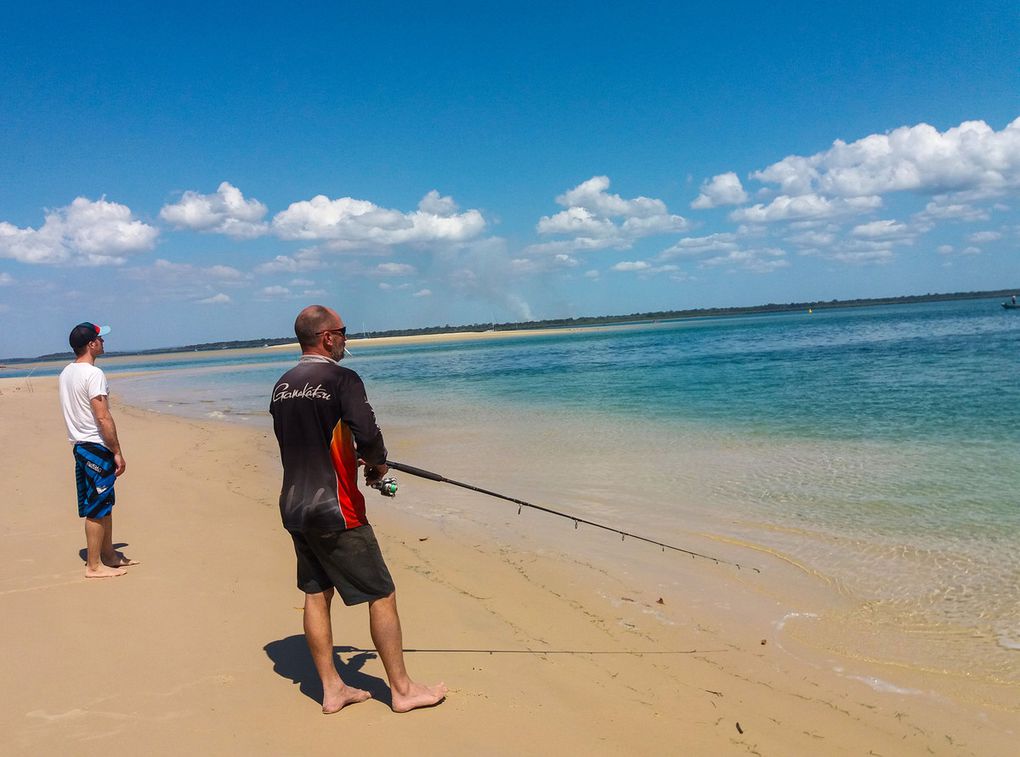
108 429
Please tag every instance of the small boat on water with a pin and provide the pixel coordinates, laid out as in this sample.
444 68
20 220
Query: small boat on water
1011 305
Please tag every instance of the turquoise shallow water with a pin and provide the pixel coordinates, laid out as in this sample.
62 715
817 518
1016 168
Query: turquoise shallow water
879 447
942 371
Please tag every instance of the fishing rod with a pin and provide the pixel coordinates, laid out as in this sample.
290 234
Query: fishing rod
388 487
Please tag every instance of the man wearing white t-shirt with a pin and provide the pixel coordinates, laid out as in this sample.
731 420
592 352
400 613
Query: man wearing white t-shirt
84 399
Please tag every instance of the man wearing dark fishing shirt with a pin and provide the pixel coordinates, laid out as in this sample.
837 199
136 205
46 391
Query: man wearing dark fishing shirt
326 428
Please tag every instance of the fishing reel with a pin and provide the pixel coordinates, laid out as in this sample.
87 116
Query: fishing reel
386 486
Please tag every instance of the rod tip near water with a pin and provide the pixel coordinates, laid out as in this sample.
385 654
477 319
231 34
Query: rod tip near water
521 504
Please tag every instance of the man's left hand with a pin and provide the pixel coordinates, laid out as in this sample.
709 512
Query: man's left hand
375 472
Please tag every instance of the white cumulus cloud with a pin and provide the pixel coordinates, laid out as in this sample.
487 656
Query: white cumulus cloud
579 221
82 233
971 156
597 219
274 291
631 265
359 222
724 189
884 229
225 212
645 269
6 279
437 205
942 208
696 246
423 293
592 195
805 207
216 299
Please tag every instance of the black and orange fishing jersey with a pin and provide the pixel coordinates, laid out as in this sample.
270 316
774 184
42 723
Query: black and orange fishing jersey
323 423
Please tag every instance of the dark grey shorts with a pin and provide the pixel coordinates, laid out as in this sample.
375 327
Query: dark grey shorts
349 560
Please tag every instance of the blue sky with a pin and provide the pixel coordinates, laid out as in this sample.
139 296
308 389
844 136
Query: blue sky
199 172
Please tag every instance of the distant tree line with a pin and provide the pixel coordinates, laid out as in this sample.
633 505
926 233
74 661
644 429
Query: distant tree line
670 315
558 323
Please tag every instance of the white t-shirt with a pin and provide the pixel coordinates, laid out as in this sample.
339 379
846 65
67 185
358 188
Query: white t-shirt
79 384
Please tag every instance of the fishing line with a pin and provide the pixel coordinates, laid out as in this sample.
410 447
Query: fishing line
542 652
389 487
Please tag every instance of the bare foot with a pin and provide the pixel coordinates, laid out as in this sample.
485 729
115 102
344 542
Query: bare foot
345 695
418 695
104 571
118 560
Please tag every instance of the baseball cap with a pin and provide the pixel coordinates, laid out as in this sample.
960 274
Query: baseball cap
84 333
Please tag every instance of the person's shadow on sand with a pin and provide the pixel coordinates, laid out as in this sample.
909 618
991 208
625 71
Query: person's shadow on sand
83 553
291 659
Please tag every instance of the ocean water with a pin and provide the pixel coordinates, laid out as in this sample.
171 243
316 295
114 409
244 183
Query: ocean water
878 448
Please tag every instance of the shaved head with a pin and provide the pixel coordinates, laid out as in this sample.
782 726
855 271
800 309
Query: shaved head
313 319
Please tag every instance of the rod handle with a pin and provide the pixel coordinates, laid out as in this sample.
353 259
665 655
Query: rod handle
415 471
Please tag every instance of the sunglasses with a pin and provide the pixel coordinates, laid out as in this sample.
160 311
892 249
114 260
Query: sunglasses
342 331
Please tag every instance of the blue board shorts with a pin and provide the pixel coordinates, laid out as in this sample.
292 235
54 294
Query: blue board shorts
349 559
95 473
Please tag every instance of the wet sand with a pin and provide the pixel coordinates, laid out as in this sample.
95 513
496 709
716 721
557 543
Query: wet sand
545 650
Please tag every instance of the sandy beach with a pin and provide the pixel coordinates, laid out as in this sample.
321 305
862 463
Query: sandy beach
199 648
